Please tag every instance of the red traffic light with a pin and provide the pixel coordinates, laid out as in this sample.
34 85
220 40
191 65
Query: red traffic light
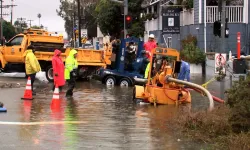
128 18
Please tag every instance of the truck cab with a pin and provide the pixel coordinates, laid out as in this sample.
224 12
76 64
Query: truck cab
11 56
44 43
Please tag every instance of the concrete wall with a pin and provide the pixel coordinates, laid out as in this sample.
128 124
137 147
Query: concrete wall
213 43
195 69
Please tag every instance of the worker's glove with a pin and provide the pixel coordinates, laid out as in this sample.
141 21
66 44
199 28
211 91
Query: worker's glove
56 74
74 72
148 53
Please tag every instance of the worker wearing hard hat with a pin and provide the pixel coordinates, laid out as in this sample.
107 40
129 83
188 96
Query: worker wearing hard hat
151 44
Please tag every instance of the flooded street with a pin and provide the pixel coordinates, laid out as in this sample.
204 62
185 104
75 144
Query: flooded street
109 119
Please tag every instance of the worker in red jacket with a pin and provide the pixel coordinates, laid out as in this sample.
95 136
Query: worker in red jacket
58 70
150 45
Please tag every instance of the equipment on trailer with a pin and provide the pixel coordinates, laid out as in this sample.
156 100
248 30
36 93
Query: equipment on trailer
130 65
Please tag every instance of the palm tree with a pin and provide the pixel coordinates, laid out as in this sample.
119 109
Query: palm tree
39 16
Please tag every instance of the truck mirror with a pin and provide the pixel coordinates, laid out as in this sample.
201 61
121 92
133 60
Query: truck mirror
7 44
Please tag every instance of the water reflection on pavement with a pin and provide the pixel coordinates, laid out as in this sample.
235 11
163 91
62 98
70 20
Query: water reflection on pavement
111 120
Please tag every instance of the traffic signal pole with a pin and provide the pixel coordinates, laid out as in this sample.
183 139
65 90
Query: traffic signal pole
223 23
125 13
79 22
222 49
125 4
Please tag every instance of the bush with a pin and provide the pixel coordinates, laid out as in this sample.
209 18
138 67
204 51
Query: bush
190 52
239 101
225 127
193 54
190 39
188 4
204 126
212 128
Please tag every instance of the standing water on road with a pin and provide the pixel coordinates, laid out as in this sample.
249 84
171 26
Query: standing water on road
110 120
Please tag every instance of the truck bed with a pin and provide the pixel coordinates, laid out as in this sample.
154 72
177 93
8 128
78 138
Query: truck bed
86 57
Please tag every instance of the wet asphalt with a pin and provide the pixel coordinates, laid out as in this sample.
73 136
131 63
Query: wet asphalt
109 119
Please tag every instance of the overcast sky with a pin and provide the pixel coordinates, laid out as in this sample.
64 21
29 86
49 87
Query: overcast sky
30 8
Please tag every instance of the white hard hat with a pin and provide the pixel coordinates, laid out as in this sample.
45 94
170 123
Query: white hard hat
152 36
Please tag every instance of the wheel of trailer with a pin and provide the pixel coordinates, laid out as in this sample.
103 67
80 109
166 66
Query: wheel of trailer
125 82
49 74
110 81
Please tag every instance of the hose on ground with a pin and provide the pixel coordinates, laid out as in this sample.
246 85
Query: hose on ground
214 97
210 98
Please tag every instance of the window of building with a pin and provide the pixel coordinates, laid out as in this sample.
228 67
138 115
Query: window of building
155 9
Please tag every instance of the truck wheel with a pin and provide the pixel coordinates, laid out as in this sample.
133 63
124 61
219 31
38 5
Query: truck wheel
110 81
49 74
125 82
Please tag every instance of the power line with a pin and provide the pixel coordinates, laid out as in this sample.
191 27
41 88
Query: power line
9 6
30 22
5 14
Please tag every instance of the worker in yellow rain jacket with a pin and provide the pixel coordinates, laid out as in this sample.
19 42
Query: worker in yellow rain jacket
147 71
71 66
32 65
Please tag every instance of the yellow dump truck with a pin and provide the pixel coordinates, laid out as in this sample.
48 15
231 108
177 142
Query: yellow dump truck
44 43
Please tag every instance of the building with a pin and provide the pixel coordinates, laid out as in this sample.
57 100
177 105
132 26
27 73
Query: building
192 22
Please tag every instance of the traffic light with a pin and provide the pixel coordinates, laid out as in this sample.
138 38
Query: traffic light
227 29
217 28
128 21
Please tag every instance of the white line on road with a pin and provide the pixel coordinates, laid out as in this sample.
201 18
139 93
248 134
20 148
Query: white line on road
41 123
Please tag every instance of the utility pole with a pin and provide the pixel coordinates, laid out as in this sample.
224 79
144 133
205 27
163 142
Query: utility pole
125 4
30 22
12 5
72 16
125 13
222 50
79 22
8 6
74 34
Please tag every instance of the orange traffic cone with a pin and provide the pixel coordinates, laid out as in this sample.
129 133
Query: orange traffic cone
28 91
55 103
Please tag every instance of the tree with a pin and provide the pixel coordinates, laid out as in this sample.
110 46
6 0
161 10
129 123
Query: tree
20 25
36 27
89 20
39 17
67 9
8 30
135 10
109 18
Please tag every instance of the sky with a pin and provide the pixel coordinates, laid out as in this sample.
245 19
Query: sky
30 8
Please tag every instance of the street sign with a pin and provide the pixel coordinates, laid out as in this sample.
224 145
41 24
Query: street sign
171 20
220 60
84 33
